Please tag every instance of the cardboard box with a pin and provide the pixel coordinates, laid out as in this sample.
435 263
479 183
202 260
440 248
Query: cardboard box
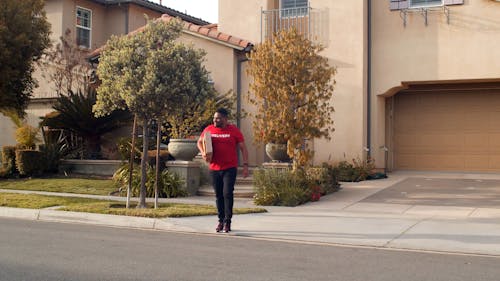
207 145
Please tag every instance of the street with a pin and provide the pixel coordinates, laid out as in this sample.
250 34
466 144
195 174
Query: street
35 250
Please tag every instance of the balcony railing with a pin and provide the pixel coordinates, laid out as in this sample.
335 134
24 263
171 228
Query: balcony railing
308 21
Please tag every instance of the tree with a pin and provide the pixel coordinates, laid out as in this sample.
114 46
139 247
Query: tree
151 75
292 87
66 66
73 112
24 34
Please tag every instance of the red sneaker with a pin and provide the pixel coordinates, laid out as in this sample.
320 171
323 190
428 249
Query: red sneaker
227 227
219 227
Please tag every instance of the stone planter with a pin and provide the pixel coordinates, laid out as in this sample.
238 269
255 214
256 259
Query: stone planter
277 152
189 172
183 149
90 167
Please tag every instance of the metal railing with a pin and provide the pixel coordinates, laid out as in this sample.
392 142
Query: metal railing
305 20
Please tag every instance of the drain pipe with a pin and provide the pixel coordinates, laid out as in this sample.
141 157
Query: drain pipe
369 81
238 90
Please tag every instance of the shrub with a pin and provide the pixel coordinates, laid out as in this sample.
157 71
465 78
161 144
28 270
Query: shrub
53 149
29 162
325 178
164 156
124 143
8 161
27 136
170 185
357 171
280 187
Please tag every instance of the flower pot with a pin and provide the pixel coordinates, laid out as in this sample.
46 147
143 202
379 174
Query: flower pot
277 152
183 149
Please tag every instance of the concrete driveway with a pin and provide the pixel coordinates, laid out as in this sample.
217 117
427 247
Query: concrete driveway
435 191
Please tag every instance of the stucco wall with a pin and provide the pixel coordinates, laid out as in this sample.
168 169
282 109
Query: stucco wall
241 18
256 152
33 113
219 61
346 45
54 12
115 18
466 48
222 63
7 128
136 16
343 25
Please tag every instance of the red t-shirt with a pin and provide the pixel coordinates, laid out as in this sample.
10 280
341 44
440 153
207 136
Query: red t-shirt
224 143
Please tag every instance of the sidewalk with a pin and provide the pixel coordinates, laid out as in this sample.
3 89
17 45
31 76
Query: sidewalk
339 218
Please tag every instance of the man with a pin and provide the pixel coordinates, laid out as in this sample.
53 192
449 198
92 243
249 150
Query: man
226 138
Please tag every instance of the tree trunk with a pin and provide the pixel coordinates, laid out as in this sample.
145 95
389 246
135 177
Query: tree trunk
144 161
131 162
157 173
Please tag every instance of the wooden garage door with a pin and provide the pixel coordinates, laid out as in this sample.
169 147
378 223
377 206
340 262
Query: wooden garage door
447 131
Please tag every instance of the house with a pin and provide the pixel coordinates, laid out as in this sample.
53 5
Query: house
418 83
92 22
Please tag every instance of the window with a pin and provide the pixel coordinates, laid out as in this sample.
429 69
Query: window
83 27
293 8
425 3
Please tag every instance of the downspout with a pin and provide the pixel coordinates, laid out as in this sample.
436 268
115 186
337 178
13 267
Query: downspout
238 90
125 9
126 18
369 81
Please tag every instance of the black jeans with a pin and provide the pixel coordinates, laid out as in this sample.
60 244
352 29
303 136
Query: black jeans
223 183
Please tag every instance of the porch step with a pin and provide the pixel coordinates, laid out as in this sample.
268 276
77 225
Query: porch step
244 181
240 191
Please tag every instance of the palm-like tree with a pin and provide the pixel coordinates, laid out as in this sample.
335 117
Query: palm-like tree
73 112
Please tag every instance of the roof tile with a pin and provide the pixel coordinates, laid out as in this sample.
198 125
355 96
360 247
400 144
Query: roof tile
209 30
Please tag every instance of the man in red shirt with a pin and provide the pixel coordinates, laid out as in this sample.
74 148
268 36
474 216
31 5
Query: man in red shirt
226 138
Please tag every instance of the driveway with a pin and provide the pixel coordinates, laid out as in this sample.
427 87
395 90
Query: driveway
433 191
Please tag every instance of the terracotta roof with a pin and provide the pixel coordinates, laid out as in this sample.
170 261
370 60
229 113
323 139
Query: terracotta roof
211 31
208 31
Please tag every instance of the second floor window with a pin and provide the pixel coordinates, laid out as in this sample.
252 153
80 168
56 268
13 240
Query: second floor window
293 8
83 27
425 3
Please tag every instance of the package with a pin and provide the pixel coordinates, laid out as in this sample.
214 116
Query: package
207 145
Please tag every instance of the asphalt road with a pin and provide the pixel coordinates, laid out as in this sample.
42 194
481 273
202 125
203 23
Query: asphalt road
35 250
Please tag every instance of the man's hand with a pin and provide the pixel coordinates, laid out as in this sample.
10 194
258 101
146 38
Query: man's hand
245 171
207 158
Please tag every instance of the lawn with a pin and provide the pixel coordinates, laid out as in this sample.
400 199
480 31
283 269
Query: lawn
67 185
35 201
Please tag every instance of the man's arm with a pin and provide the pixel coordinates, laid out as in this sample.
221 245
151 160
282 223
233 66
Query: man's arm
244 154
201 148
199 143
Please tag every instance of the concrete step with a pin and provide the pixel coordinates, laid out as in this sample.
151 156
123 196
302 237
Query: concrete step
244 181
240 191
251 169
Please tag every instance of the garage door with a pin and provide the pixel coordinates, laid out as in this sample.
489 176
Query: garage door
458 131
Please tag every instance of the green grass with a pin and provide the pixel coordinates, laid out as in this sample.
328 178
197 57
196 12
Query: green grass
34 201
70 185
